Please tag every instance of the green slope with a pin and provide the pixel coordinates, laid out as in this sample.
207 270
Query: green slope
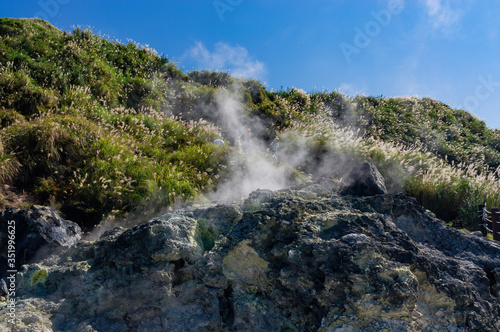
82 128
97 127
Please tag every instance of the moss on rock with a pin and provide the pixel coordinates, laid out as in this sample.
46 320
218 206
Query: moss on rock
39 277
244 264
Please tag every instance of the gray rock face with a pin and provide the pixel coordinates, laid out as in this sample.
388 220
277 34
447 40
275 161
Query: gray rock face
39 232
293 260
365 180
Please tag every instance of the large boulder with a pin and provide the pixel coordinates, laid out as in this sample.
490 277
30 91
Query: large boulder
39 232
304 259
365 180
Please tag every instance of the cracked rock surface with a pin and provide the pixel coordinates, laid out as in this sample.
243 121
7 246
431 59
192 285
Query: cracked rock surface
303 259
39 232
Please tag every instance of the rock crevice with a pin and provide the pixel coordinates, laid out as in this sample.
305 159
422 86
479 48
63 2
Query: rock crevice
303 259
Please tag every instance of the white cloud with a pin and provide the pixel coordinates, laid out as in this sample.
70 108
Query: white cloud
443 14
226 57
433 6
352 90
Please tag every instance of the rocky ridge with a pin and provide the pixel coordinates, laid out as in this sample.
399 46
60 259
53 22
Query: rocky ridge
39 232
301 259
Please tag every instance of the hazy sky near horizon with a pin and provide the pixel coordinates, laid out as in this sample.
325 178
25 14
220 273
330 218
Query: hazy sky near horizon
448 50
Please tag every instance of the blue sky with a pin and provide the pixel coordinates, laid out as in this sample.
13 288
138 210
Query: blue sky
448 50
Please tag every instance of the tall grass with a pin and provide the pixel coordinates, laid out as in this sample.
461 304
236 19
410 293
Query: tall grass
124 162
455 192
9 165
85 123
450 190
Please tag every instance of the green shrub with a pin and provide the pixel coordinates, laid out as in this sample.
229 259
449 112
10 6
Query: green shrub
9 117
9 165
50 144
83 124
18 91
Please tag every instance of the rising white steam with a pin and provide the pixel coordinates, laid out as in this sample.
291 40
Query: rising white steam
253 168
226 57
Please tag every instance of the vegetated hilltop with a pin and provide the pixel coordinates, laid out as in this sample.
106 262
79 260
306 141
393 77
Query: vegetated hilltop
82 128
95 127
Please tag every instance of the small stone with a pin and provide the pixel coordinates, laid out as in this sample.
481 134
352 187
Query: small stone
365 180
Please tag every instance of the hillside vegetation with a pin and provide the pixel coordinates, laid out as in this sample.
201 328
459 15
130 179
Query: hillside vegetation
95 127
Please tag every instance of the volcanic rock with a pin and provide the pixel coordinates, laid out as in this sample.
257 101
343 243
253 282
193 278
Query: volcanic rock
293 260
39 232
365 180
